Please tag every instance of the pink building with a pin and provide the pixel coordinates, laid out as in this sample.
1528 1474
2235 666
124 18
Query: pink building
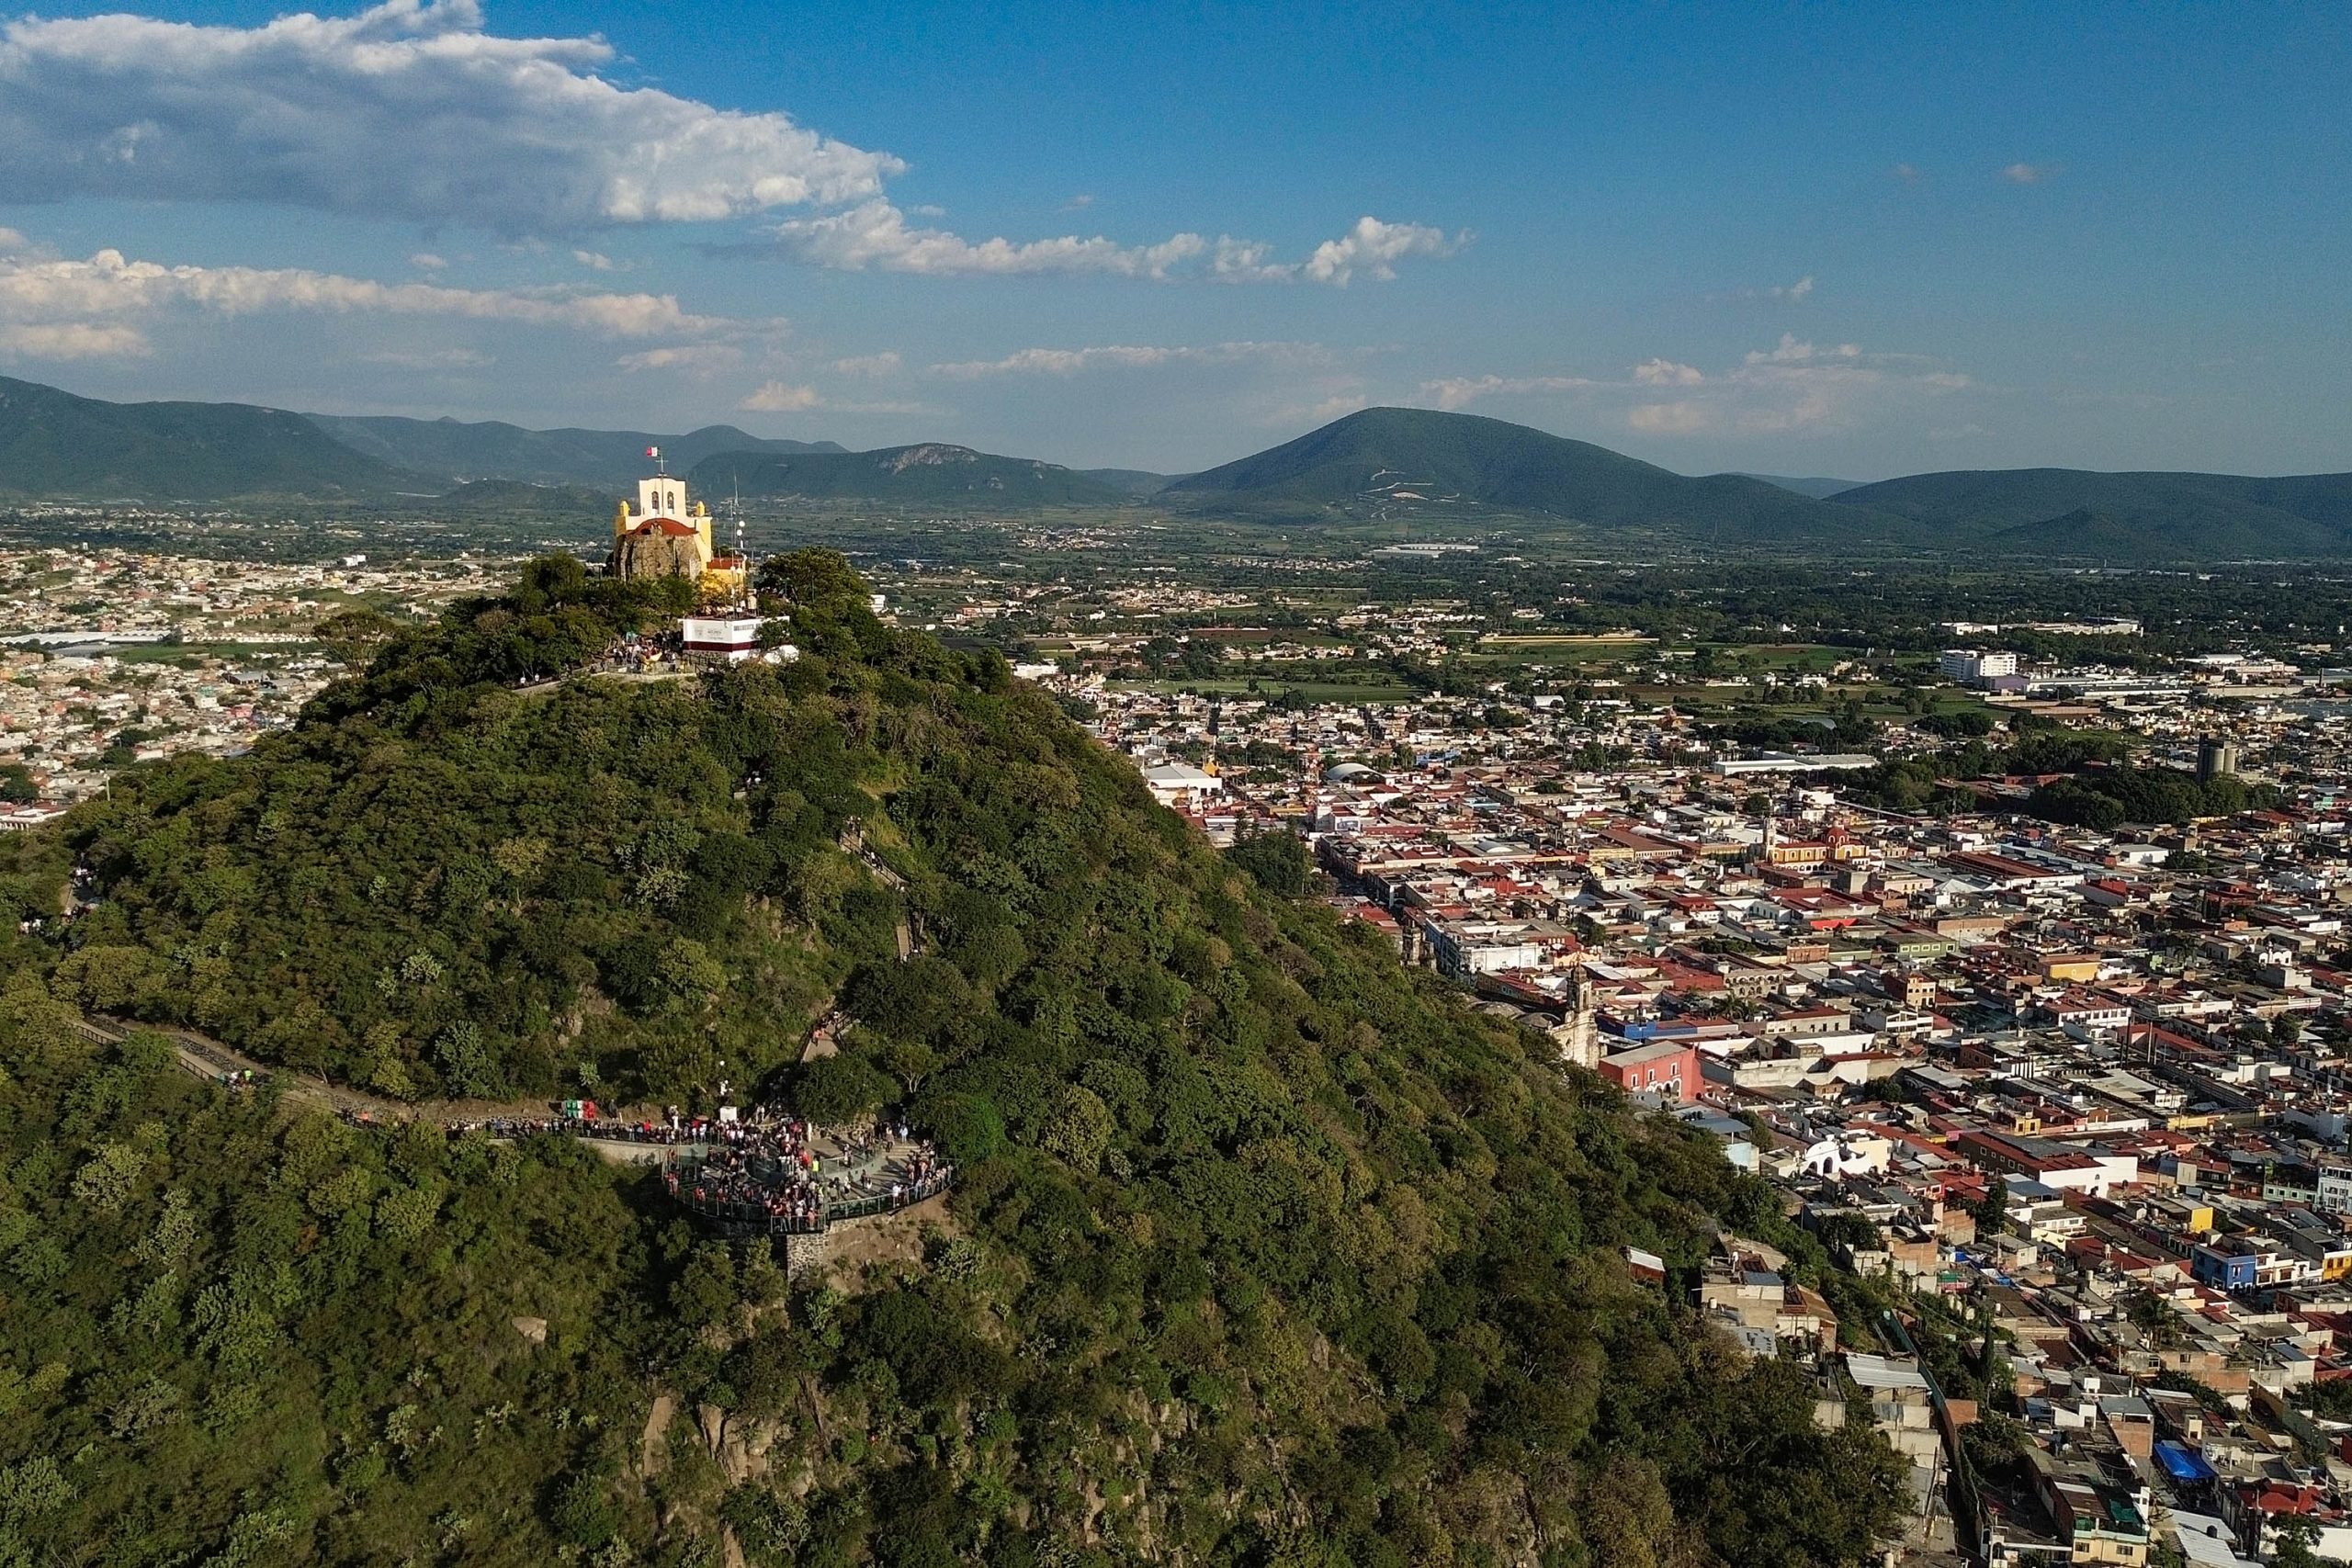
1663 1069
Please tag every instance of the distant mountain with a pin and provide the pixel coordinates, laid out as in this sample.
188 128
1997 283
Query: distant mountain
519 495
1135 481
1817 489
2148 516
1391 462
451 449
55 444
929 473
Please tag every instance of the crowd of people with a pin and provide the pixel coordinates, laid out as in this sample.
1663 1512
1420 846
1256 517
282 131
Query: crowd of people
766 1170
761 1169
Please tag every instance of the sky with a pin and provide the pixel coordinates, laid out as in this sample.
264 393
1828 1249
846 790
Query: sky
1843 240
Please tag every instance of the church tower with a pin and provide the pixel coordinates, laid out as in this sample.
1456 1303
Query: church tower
669 534
1579 1035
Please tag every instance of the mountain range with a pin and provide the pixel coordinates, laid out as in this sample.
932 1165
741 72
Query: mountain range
1388 462
1377 465
928 472
448 448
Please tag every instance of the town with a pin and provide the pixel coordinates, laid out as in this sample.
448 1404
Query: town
2071 1098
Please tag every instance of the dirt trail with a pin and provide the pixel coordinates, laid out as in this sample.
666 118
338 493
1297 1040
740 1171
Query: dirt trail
208 1058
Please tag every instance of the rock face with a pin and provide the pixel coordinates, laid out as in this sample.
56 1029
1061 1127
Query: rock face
927 454
804 1256
534 1329
656 552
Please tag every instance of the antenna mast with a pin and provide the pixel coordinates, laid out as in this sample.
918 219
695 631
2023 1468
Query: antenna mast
745 597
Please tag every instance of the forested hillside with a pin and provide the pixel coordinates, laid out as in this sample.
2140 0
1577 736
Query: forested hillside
1396 462
1264 1250
55 444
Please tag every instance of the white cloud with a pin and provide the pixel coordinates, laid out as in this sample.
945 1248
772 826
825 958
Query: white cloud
408 108
1079 202
1374 248
1795 386
98 305
1371 247
431 359
425 260
2029 173
70 340
1336 406
1791 352
1669 419
775 397
1797 290
1460 391
597 262
1907 173
883 364
1667 373
874 235
695 358
12 241
1070 361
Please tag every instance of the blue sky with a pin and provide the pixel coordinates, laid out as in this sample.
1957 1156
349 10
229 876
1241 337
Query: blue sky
1854 240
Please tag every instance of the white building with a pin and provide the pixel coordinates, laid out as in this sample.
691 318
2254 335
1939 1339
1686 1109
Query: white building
1975 666
731 638
1179 784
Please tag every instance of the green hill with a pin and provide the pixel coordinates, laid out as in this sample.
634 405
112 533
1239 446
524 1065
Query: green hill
1816 487
1403 462
521 496
1263 1249
55 444
455 450
929 473
1134 481
2154 515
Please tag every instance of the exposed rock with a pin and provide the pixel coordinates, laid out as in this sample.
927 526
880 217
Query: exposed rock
653 1454
534 1329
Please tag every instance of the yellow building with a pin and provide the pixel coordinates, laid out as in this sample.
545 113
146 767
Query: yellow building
669 535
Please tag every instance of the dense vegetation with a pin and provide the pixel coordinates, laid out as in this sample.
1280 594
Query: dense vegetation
1265 1250
237 1337
2087 778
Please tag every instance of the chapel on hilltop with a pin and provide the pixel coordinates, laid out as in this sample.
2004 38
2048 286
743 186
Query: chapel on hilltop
669 535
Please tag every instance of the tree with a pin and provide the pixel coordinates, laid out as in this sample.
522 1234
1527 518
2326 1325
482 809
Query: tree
834 1090
705 1292
2298 1538
1277 862
1080 1130
1993 1210
354 637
